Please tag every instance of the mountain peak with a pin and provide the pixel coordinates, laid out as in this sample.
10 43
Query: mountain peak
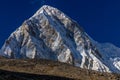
50 34
44 8
47 7
47 10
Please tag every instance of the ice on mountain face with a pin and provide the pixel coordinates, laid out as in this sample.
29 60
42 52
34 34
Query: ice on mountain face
116 63
50 34
111 55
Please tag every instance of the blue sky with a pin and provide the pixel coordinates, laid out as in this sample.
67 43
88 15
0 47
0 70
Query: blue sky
99 18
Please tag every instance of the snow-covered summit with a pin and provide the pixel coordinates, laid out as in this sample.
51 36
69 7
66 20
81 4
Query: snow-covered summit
50 34
50 10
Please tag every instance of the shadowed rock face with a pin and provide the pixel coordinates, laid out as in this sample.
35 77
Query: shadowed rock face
8 75
50 34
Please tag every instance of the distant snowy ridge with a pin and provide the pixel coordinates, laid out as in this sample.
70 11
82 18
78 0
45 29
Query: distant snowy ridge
50 34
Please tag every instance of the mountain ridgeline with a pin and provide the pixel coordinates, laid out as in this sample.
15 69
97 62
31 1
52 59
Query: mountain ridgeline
50 34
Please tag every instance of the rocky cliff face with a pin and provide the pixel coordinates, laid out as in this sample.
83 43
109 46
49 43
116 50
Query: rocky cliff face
50 34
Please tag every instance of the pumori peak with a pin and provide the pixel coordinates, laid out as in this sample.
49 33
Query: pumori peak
50 34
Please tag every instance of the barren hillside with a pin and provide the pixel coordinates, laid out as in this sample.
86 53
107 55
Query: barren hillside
47 70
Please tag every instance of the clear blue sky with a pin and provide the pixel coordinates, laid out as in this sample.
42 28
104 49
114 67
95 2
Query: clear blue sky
99 18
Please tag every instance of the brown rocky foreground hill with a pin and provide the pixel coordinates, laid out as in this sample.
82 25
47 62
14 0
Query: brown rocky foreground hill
11 69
